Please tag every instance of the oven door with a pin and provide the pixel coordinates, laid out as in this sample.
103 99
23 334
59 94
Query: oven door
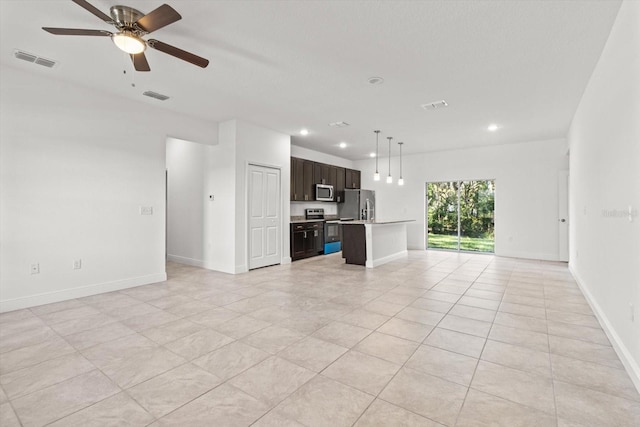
331 232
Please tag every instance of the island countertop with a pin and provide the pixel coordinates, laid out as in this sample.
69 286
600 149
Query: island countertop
375 222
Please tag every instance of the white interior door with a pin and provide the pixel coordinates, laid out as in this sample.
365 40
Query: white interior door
264 216
563 215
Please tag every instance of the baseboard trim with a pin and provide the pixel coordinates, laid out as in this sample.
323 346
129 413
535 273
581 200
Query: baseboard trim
384 260
185 260
528 255
79 292
621 350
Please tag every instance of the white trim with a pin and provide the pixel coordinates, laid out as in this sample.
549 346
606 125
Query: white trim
527 255
386 259
286 260
623 352
213 267
185 260
82 291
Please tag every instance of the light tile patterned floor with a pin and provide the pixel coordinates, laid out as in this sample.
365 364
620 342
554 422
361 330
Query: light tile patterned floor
435 339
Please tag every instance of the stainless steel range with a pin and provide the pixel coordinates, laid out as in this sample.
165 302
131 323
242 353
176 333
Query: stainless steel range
332 231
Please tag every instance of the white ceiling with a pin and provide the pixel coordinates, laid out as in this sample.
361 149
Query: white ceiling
288 65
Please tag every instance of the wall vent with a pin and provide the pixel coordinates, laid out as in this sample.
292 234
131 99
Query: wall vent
339 124
29 57
156 95
435 105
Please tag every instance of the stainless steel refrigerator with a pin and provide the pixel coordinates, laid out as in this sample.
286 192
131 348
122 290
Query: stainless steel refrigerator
358 205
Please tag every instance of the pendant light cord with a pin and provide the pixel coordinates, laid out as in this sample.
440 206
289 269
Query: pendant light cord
377 133
389 138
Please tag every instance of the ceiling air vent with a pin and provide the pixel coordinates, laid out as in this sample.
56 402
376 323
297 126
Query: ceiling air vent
29 57
339 124
156 95
435 105
45 62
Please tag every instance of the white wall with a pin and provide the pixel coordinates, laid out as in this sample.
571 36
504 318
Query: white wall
77 165
605 177
526 176
213 233
186 200
316 156
220 215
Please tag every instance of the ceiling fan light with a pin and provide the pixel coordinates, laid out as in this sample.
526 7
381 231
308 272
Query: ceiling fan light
129 42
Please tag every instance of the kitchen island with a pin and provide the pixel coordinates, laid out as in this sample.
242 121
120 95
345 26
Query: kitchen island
373 243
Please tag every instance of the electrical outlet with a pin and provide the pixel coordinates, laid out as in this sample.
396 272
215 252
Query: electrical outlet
77 264
35 268
146 210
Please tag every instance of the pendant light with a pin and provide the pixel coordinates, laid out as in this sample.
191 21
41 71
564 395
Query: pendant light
400 180
389 178
376 176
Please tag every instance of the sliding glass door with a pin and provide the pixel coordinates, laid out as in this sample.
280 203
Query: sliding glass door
460 215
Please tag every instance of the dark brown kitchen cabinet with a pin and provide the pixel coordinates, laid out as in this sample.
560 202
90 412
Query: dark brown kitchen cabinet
352 179
307 239
333 172
302 185
338 189
305 174
321 173
308 184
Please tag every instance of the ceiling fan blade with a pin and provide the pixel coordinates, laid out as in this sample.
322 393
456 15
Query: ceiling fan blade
178 53
97 12
140 62
158 18
76 32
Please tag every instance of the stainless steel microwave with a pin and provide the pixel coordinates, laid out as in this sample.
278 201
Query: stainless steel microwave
324 193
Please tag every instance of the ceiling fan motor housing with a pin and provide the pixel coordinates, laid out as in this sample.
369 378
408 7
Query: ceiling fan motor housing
125 17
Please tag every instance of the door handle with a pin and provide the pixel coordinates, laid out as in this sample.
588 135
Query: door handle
563 220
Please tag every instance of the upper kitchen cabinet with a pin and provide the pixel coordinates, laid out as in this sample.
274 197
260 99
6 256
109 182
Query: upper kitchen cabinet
302 185
352 179
321 173
338 189
305 174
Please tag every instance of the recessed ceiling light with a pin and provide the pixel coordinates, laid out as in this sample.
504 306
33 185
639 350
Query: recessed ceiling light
492 127
304 132
375 80
342 145
372 154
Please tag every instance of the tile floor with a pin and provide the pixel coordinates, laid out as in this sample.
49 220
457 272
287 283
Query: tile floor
435 339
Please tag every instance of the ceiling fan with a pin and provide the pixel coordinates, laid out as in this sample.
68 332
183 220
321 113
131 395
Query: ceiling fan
132 25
